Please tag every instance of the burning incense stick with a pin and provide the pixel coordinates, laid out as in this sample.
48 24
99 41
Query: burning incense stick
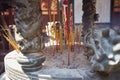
61 42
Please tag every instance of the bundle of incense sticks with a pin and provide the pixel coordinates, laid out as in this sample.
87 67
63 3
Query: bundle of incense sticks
8 36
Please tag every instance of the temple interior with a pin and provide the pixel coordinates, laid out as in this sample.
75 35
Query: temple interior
60 39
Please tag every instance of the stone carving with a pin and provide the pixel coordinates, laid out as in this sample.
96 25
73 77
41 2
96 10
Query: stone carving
89 13
28 18
102 47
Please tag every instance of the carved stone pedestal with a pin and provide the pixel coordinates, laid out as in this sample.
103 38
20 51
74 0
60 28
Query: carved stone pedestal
31 62
19 67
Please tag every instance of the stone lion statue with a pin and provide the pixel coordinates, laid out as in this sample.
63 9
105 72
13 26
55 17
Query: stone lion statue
102 47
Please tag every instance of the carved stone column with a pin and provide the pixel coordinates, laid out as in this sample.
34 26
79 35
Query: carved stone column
89 11
28 18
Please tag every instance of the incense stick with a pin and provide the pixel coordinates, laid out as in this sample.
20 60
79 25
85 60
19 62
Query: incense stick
9 38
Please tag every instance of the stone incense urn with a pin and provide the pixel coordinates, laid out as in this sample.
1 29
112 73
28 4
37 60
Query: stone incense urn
28 19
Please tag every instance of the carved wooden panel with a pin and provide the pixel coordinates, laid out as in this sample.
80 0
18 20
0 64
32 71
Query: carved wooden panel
116 3
49 5
116 6
49 10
